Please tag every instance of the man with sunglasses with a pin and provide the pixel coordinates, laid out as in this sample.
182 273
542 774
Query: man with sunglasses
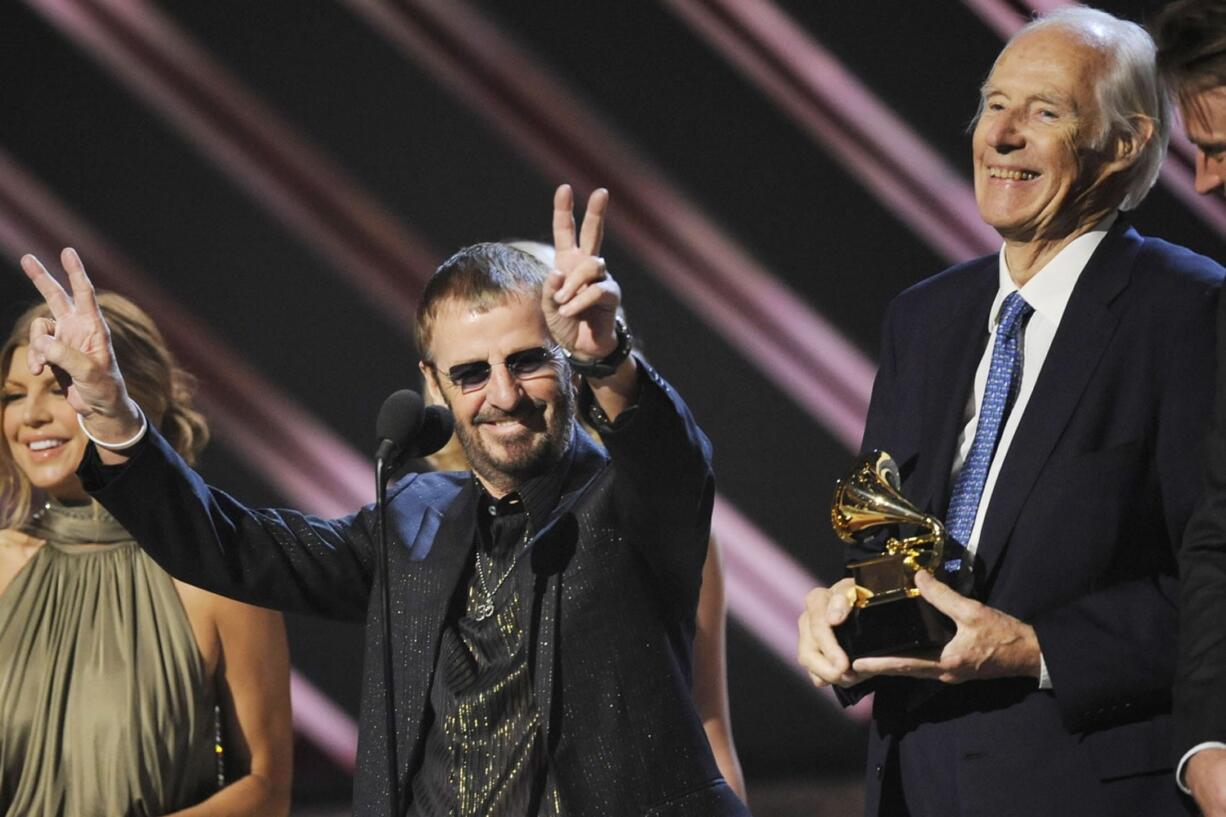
543 604
1191 40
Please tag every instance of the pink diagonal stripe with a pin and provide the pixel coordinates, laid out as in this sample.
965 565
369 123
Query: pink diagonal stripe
844 117
260 153
796 348
328 727
764 583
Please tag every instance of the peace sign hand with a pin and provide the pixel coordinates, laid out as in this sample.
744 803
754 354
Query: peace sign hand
579 298
76 343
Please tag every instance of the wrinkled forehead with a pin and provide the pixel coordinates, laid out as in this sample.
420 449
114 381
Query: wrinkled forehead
486 329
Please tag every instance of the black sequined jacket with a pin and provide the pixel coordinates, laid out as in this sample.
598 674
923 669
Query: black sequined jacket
613 577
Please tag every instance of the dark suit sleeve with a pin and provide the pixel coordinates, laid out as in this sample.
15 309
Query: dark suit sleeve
274 558
1200 711
665 488
1111 653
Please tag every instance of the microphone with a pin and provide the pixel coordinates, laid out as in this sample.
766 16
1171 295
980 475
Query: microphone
407 428
437 426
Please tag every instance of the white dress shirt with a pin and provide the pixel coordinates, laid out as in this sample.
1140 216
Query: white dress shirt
1048 291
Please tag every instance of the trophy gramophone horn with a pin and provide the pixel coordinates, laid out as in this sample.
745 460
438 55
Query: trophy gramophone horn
888 616
869 498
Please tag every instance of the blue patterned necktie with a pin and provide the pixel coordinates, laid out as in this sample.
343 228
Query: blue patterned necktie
1004 376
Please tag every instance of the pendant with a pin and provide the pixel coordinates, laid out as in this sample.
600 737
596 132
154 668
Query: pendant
483 610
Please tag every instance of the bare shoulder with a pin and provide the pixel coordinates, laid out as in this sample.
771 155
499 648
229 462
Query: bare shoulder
16 549
15 539
223 625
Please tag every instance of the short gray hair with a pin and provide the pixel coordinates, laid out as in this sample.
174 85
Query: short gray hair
1129 89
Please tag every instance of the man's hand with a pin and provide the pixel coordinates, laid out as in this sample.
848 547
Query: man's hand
76 343
1205 775
987 644
818 650
579 298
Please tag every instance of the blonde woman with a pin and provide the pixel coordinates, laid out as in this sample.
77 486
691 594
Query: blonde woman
122 690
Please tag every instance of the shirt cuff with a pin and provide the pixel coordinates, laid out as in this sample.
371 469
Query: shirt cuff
1044 678
595 416
1183 762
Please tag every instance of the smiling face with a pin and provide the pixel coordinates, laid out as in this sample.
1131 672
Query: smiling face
1037 175
41 431
511 428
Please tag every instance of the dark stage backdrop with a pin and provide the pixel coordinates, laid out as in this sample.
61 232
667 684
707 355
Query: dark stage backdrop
287 172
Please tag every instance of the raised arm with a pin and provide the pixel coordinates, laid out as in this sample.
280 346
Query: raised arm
76 342
580 299
276 558
665 486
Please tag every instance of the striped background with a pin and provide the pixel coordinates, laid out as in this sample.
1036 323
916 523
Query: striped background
275 180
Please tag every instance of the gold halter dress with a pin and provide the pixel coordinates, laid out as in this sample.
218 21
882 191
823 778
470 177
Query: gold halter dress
104 707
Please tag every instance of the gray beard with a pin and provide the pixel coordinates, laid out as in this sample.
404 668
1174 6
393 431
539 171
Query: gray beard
523 462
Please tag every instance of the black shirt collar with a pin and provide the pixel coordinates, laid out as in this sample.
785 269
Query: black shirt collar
539 495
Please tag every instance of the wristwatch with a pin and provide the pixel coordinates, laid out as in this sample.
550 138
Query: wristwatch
606 365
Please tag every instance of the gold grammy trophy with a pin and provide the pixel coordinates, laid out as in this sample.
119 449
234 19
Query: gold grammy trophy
888 616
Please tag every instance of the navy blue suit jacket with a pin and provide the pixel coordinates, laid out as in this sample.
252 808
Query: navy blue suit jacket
1079 540
1200 689
610 589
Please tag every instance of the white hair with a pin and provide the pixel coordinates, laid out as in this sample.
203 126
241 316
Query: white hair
1129 89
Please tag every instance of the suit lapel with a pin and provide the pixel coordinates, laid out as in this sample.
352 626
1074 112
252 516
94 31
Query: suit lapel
430 583
950 375
423 579
1086 329
431 546
451 549
550 550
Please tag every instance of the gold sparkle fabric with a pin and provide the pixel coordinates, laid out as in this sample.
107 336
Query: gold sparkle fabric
485 753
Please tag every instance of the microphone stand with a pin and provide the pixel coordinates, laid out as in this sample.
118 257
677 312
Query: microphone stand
402 427
393 767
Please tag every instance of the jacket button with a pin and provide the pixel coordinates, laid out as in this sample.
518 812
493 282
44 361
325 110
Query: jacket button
879 771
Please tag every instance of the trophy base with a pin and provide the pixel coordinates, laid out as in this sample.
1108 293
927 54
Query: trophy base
906 626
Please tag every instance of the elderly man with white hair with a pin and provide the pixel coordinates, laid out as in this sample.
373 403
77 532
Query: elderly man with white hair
1048 403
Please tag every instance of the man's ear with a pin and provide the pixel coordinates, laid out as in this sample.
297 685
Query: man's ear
429 379
1127 145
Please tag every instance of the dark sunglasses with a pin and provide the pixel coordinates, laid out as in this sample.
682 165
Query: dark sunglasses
524 363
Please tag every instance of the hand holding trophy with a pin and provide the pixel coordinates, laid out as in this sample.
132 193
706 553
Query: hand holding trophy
888 615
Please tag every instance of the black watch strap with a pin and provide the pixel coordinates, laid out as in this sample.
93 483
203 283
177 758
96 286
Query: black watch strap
607 365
